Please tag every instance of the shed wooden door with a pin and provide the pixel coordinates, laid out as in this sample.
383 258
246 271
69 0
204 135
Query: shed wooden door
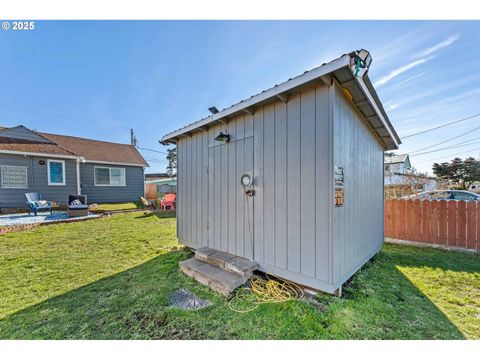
230 210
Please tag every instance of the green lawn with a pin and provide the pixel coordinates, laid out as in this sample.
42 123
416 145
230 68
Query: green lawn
111 279
119 206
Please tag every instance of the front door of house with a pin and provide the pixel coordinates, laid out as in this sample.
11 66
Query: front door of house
230 206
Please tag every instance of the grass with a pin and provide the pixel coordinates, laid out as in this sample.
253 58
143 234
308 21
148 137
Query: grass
119 206
111 279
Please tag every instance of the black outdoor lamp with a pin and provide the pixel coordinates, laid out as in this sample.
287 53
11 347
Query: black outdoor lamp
223 137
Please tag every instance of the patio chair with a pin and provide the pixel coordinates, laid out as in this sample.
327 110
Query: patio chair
168 201
77 205
35 203
147 203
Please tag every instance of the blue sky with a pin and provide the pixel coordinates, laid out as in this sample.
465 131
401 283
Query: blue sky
98 79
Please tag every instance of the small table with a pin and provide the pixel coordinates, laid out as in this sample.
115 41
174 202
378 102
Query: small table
77 210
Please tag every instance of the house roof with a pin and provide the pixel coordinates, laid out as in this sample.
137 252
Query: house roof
395 159
363 94
90 150
31 146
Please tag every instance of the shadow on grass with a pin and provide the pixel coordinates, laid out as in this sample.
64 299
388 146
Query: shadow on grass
379 303
158 214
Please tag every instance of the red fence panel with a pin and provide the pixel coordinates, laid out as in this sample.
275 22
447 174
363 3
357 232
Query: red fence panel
452 223
448 223
442 222
471 237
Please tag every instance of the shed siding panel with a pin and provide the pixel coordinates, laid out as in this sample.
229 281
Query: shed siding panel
239 204
291 151
280 185
269 184
293 184
323 174
258 161
307 183
360 153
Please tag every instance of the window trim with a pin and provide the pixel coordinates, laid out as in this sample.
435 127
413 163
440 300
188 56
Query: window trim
50 183
124 172
15 187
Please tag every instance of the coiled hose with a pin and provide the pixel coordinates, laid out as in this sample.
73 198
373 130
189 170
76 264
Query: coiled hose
261 291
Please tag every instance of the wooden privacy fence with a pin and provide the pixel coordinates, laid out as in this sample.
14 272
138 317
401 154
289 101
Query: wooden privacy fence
439 222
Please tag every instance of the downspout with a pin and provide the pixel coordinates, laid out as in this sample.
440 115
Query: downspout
79 187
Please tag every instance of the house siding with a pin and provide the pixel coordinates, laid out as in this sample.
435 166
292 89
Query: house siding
133 189
38 181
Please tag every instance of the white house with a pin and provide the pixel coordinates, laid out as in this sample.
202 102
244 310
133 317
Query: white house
399 171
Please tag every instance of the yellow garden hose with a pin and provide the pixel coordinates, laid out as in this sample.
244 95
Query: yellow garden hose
260 291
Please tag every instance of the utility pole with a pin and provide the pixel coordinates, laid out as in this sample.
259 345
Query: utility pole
133 138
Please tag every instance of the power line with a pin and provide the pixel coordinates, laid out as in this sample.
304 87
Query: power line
444 148
443 157
440 126
156 151
444 141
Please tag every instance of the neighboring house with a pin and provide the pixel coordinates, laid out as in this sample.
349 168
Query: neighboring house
399 172
290 178
157 176
57 166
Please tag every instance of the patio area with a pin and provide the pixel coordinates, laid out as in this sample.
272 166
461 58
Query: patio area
45 217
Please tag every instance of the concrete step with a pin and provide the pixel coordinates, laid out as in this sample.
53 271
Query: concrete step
231 263
215 278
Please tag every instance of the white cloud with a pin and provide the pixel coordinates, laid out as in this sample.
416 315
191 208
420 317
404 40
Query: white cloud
400 70
391 106
438 46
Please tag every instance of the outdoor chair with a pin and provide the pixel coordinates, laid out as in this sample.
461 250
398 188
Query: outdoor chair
168 201
147 203
35 203
77 205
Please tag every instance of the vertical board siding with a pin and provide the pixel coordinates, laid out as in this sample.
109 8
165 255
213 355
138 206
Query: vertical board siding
287 148
258 162
323 153
359 152
293 184
269 184
240 196
280 180
438 222
307 183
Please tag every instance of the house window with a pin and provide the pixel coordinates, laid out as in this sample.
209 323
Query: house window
56 172
106 176
14 177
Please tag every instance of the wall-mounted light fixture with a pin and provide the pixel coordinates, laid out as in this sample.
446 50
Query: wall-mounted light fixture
223 137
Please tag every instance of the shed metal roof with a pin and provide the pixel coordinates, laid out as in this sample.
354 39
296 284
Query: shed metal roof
364 97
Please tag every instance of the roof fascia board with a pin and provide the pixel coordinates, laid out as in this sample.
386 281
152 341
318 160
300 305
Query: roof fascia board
279 89
368 95
26 153
114 163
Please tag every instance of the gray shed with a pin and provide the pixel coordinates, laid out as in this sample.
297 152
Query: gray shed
313 148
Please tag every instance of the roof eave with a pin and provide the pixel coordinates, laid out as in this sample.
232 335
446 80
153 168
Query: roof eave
264 96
